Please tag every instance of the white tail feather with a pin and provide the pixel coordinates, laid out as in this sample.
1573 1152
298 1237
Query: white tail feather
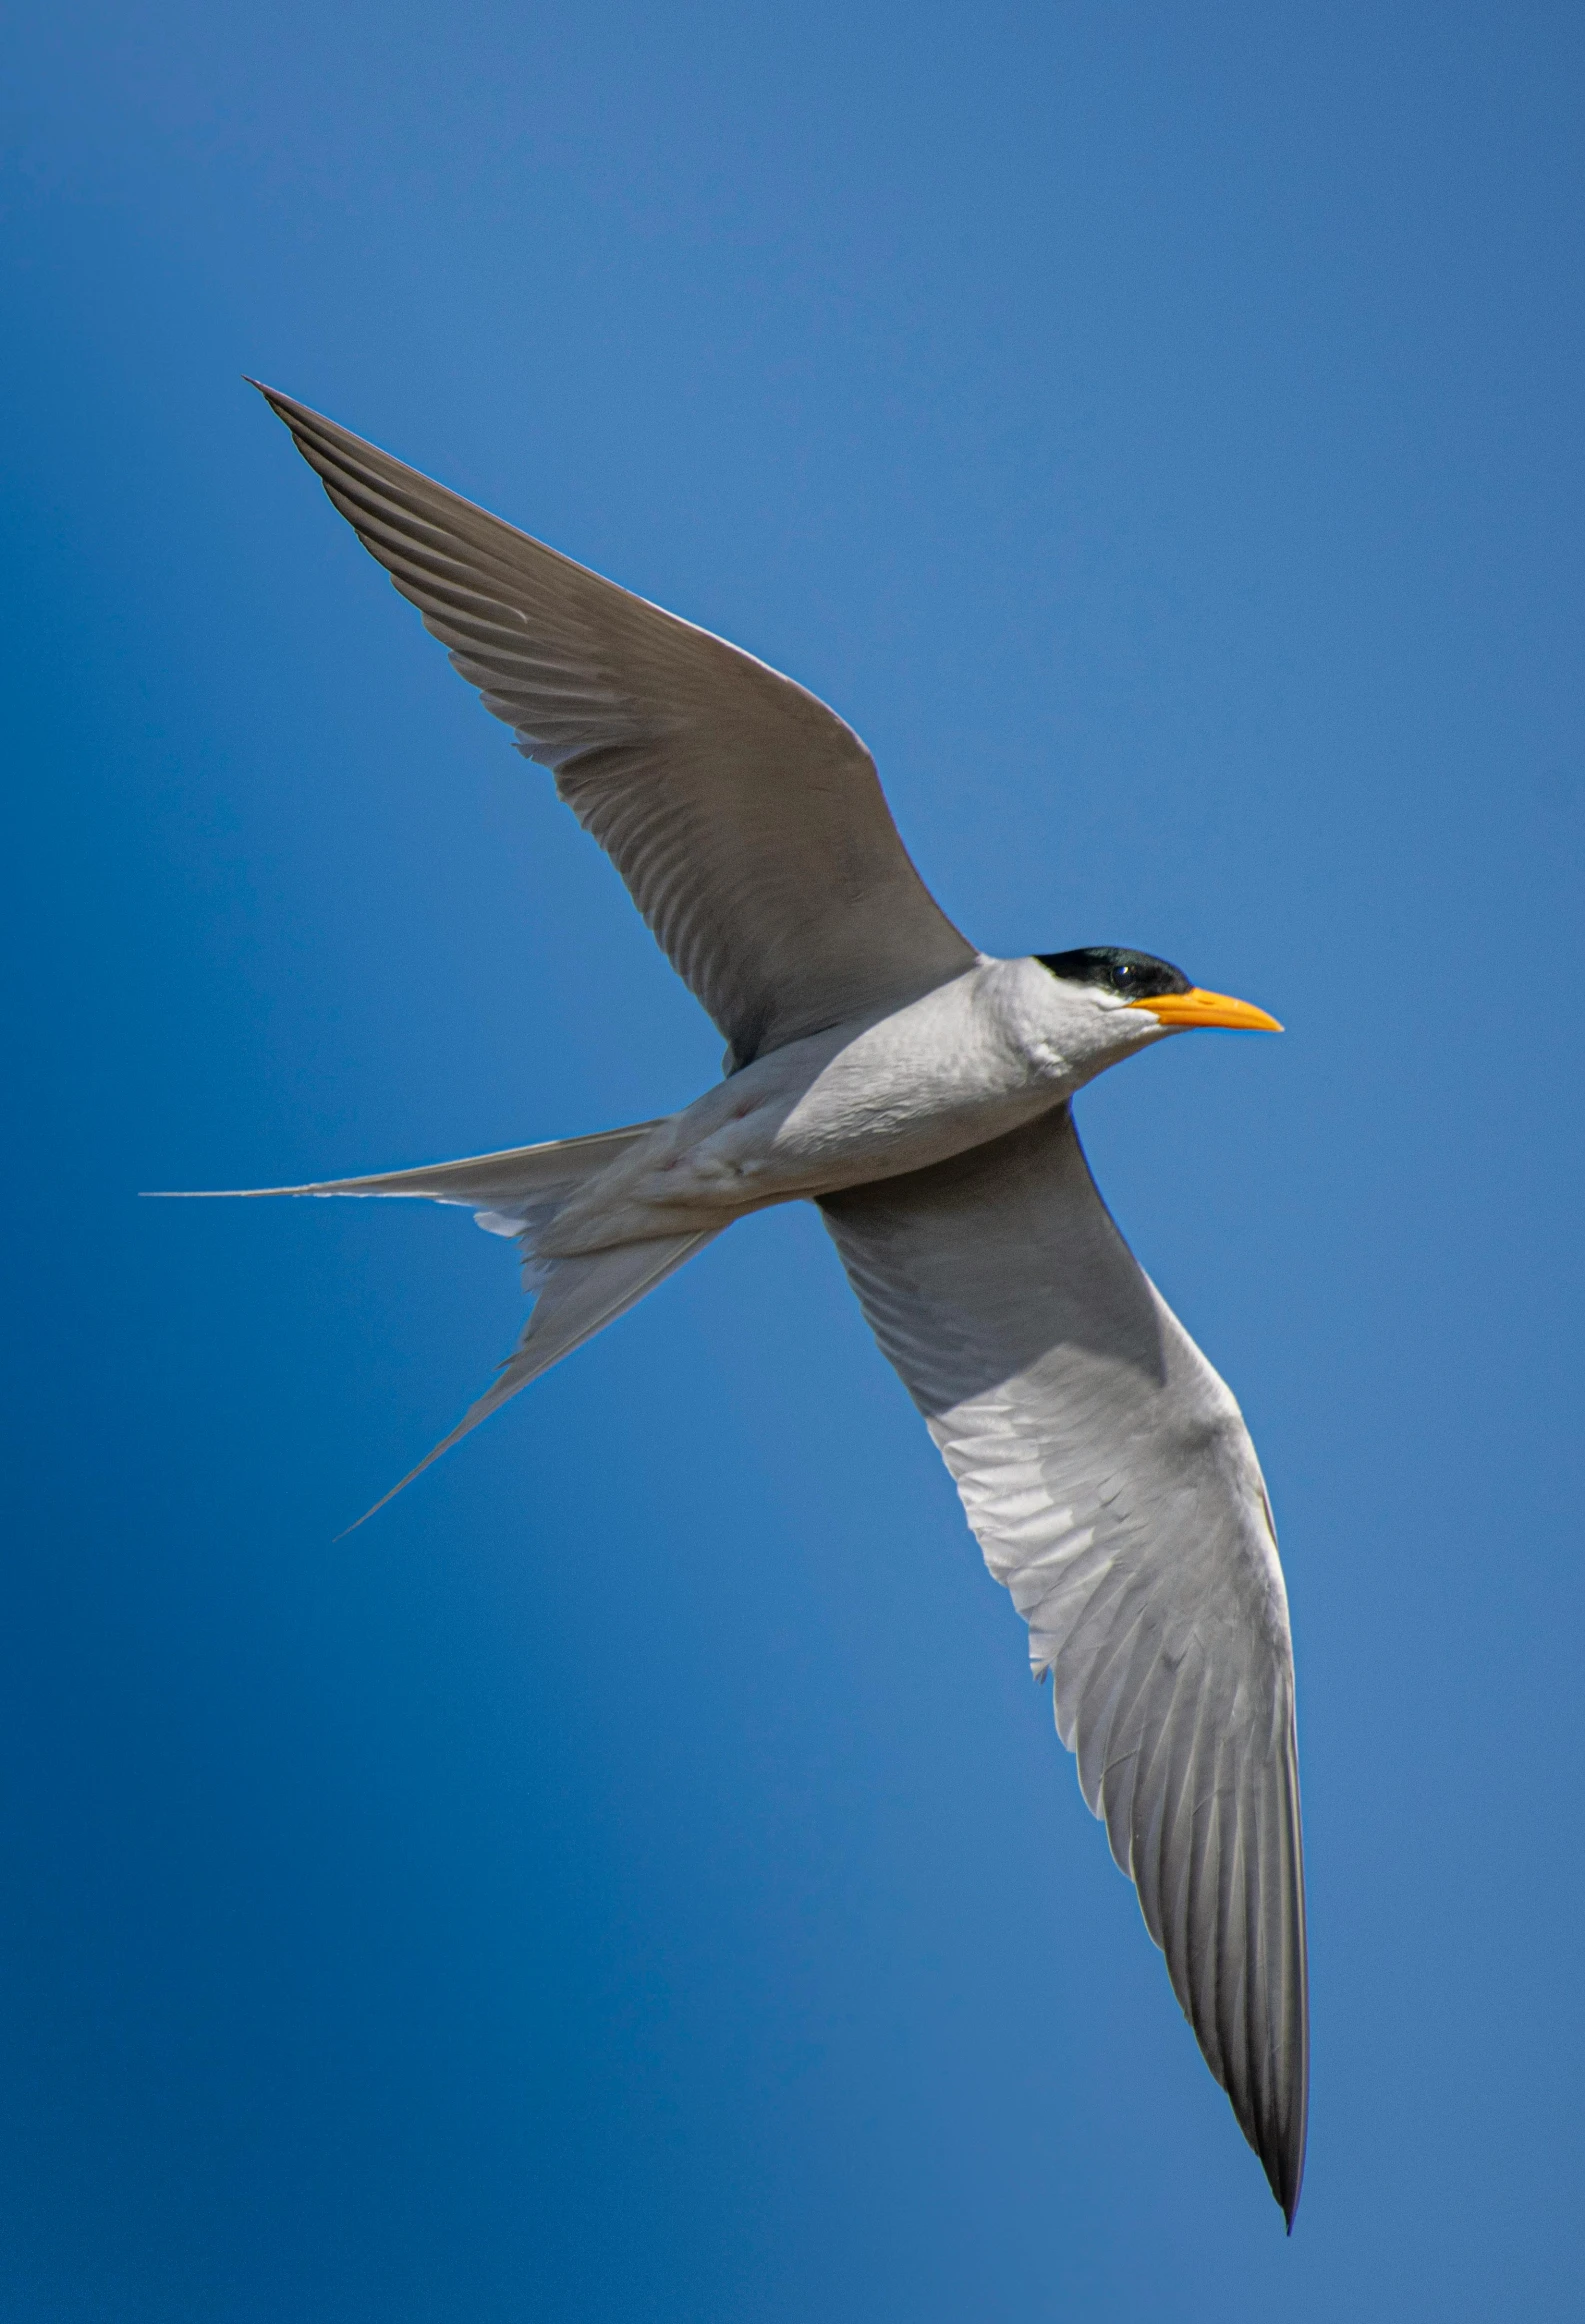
580 1297
517 1193
517 1178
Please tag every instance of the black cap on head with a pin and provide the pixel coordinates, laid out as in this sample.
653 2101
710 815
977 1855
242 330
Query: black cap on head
1133 976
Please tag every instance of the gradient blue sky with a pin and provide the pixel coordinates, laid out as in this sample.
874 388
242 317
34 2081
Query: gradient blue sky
635 1877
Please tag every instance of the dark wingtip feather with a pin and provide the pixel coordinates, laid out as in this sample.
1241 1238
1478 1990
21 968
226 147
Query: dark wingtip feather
286 407
1282 2159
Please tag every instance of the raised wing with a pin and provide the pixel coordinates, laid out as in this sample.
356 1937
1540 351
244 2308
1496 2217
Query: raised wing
747 820
1109 1477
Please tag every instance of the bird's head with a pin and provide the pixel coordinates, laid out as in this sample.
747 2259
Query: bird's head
1138 997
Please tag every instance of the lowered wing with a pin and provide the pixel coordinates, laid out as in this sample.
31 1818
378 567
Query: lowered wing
1110 1479
747 820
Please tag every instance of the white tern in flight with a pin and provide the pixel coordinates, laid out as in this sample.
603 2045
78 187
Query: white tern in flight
918 1092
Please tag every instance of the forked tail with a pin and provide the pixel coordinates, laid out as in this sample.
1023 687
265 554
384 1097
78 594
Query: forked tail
517 1193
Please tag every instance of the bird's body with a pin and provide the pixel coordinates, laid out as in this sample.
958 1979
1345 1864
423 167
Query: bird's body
975 1058
919 1092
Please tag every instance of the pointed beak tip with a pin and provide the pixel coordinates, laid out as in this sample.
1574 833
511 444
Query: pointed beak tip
1208 1012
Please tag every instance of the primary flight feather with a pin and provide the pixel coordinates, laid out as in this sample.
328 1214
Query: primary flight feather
919 1092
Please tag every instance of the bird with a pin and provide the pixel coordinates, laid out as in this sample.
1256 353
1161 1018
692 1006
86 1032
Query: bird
919 1092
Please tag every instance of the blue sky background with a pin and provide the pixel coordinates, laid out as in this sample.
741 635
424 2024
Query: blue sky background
635 1877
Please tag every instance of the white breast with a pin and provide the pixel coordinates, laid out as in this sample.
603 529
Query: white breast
968 1062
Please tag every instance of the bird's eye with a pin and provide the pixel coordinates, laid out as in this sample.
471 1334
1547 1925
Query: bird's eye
1123 976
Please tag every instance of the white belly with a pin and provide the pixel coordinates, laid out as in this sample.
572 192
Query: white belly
931 1081
835 1110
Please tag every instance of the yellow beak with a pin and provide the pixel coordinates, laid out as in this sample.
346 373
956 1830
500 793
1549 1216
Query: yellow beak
1205 1009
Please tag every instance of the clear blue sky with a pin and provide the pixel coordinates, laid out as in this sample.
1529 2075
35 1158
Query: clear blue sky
635 1877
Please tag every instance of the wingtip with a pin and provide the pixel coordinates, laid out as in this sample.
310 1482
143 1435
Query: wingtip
281 404
1287 2184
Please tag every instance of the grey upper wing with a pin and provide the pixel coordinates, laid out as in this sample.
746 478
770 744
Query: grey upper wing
1109 1477
747 820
